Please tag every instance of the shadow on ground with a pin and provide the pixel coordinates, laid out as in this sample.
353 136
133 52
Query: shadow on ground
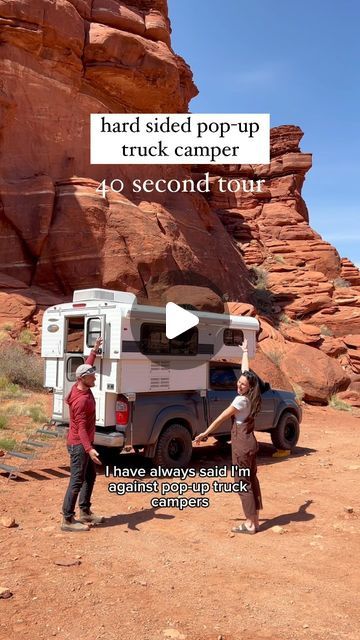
203 457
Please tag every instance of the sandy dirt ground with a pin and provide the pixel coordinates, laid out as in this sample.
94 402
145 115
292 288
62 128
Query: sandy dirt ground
156 573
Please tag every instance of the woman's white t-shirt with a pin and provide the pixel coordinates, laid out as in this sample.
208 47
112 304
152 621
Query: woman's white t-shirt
242 406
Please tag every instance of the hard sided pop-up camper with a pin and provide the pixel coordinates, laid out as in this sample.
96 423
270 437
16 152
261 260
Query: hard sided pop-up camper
151 392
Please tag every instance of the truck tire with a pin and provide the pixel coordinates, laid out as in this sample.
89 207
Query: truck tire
286 433
174 447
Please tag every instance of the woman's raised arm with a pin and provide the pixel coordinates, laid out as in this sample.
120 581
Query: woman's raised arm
245 357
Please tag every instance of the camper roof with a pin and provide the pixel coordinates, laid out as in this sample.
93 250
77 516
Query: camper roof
108 295
145 312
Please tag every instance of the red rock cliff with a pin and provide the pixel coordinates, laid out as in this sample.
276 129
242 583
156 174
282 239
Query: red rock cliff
60 61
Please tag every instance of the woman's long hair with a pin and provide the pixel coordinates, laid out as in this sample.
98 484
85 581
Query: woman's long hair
253 394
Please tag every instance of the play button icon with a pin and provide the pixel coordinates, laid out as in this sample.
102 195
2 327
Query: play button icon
178 320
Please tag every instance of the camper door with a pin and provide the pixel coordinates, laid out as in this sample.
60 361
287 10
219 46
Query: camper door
80 335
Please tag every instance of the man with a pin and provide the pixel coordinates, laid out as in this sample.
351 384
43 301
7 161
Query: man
83 456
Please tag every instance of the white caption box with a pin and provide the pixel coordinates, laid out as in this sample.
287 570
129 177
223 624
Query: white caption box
199 138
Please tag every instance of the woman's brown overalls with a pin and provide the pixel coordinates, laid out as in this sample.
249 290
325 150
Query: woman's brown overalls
244 447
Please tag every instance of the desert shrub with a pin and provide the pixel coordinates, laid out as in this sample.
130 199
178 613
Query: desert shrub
279 258
4 420
299 392
275 357
284 318
340 283
261 297
36 413
9 390
337 403
259 277
21 367
26 337
326 331
7 444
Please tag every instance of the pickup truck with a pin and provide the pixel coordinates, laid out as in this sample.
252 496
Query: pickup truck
162 425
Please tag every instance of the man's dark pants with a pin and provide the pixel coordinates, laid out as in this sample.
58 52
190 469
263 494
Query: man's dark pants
82 479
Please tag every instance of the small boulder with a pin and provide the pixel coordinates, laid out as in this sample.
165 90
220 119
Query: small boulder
8 522
278 529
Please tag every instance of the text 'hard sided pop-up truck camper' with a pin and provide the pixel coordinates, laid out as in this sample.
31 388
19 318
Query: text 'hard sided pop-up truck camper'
152 393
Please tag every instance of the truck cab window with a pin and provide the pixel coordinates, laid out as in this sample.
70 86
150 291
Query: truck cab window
223 378
153 341
75 334
93 331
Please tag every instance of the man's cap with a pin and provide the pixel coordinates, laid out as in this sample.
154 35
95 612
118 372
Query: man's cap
84 370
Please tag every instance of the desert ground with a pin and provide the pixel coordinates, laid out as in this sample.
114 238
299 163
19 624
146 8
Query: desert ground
152 574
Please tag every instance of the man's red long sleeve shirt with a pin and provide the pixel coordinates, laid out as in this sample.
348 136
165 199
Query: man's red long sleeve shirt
82 413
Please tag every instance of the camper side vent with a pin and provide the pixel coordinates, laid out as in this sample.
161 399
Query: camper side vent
160 376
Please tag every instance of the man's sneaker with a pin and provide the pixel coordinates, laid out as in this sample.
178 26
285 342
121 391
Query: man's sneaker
70 524
88 517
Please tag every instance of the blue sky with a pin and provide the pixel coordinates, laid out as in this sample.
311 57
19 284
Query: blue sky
299 62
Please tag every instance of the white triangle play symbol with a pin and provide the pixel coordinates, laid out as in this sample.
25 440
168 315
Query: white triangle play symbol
178 320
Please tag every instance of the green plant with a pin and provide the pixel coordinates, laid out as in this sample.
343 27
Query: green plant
20 367
26 337
275 357
8 389
340 283
284 318
336 403
4 420
299 392
7 444
259 277
279 258
36 413
7 327
326 331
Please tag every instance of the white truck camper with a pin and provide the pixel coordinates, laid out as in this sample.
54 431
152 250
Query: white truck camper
136 358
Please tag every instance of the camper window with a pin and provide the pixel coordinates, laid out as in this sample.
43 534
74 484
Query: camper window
153 341
233 337
72 364
93 331
75 335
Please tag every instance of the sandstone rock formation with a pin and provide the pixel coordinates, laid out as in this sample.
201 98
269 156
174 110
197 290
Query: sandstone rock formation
61 61
64 59
308 295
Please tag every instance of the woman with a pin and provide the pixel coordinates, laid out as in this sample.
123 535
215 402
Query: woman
244 446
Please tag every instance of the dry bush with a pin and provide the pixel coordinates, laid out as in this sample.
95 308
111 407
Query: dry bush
337 403
21 367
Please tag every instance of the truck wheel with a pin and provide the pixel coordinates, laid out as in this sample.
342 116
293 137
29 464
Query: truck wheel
174 447
286 433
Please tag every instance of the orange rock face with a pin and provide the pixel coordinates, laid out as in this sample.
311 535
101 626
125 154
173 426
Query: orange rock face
314 372
56 232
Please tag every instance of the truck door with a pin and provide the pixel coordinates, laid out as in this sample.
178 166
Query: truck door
264 420
221 394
